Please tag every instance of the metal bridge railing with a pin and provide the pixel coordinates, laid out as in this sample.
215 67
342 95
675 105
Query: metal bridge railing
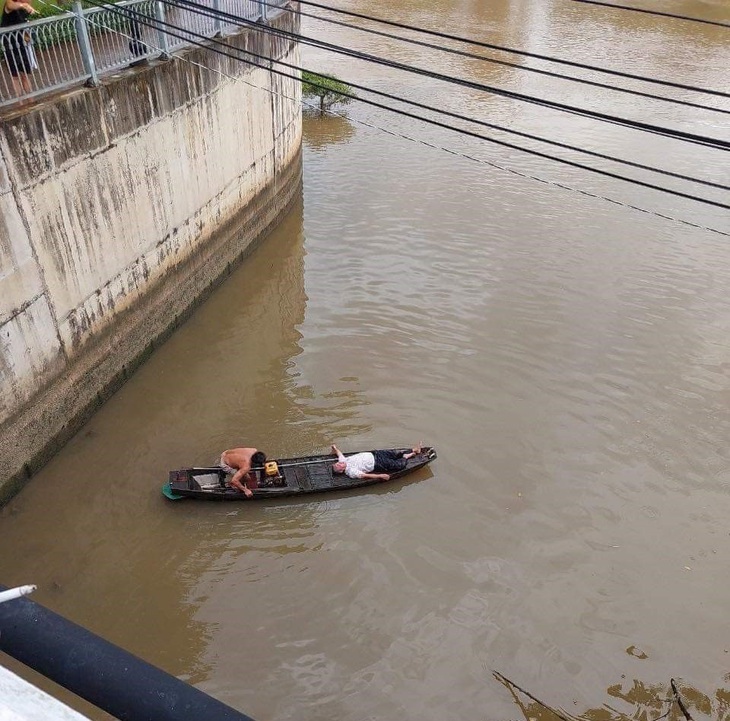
79 46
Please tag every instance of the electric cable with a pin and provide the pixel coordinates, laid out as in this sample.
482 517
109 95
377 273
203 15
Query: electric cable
517 66
490 46
156 24
655 12
213 14
594 115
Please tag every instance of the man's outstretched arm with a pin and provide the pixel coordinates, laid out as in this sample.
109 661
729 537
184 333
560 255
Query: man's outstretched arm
375 476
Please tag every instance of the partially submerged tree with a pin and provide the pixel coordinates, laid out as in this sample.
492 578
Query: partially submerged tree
326 88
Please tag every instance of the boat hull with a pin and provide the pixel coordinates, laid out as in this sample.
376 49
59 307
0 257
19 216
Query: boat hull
297 476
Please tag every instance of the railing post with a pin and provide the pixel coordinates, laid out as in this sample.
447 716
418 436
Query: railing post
82 34
217 23
262 10
161 34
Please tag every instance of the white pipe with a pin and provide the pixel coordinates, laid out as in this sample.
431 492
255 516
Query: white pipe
13 593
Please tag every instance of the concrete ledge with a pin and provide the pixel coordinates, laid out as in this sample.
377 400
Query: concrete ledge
21 701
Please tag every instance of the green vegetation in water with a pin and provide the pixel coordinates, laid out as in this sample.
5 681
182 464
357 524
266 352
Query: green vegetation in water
327 89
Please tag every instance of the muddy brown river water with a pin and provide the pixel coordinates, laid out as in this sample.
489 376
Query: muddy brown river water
567 355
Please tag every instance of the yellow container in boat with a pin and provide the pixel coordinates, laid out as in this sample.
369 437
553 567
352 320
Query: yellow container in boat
271 468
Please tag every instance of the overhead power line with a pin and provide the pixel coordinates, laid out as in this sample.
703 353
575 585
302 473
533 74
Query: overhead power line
562 107
490 46
212 13
209 12
505 63
654 12
158 25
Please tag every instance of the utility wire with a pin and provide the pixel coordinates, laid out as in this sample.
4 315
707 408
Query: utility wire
208 12
211 13
155 23
126 12
474 56
490 46
655 12
594 115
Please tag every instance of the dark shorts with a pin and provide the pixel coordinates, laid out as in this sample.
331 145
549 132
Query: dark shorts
389 461
16 55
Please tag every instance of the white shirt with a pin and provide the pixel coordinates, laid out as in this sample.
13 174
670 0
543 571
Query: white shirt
357 465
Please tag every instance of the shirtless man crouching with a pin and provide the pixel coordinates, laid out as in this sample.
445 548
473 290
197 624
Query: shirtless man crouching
239 462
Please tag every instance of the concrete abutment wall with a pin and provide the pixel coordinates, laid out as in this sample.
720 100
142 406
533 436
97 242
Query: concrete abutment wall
119 207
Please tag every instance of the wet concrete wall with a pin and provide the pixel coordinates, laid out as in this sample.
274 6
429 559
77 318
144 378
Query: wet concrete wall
119 207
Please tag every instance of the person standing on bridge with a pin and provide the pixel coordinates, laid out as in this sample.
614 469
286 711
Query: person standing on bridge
239 462
16 47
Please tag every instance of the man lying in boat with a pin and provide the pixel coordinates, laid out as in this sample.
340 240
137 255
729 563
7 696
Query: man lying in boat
239 462
376 465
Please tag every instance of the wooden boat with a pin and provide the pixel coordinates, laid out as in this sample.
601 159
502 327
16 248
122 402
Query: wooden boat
282 477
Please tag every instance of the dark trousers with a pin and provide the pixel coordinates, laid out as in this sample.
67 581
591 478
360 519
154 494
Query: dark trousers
389 461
